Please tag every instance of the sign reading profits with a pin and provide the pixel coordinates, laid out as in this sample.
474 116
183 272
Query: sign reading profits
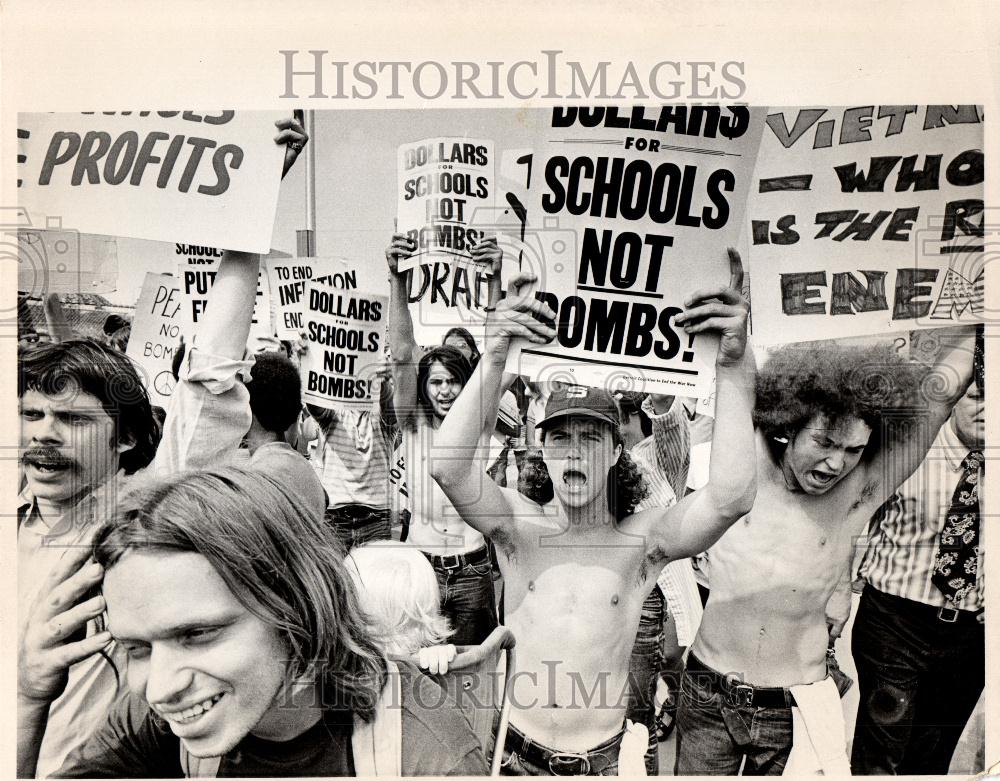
638 207
196 270
446 194
287 279
210 176
344 330
156 334
867 220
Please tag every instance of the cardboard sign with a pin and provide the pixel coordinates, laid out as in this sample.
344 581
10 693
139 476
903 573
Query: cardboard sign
211 177
445 202
867 220
156 335
344 330
196 270
635 209
287 279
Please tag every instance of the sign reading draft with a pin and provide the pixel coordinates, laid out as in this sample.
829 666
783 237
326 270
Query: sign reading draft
867 220
209 176
156 335
287 279
445 194
635 209
196 270
344 332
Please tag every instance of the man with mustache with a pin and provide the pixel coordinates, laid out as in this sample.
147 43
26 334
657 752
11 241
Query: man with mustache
838 429
578 569
86 430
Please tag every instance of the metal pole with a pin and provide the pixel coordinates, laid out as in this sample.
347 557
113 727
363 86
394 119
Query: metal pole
306 239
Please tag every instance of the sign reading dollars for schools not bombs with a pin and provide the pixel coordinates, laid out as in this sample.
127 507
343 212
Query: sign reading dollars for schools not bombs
446 190
210 176
651 198
156 335
344 331
867 220
287 279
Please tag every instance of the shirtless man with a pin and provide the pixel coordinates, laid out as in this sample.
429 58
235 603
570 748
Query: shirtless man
577 570
826 460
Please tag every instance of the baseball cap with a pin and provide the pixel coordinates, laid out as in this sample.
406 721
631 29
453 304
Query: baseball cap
580 401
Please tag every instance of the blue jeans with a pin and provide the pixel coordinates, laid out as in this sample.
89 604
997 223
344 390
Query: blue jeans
644 669
356 524
920 678
714 734
524 757
468 600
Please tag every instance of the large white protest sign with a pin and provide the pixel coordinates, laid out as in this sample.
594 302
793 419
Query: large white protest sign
634 209
446 192
287 279
211 177
196 270
867 220
344 330
156 335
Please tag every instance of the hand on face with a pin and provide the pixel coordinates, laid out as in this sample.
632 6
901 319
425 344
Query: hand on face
50 638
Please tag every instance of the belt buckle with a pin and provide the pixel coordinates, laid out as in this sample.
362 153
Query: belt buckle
947 614
562 764
741 695
450 567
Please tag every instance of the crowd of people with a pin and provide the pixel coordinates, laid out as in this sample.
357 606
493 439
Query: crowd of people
235 587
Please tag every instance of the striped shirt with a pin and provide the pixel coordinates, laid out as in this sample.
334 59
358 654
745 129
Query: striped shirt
664 459
903 539
352 458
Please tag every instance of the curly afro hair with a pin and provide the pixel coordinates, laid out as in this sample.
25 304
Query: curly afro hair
799 381
626 485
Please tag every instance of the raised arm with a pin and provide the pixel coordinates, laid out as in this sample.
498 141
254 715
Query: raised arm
697 521
209 409
481 502
402 343
948 378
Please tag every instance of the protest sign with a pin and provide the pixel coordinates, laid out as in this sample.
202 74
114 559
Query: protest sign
287 278
344 331
156 334
211 177
867 220
196 270
445 202
634 210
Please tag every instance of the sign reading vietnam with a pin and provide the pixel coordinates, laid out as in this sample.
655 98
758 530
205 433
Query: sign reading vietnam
344 332
867 220
211 177
445 199
635 209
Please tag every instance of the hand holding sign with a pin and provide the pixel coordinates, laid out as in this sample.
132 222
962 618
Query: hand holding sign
519 315
400 248
722 310
293 136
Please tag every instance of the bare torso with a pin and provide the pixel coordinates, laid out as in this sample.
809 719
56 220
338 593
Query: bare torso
435 525
772 574
573 600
